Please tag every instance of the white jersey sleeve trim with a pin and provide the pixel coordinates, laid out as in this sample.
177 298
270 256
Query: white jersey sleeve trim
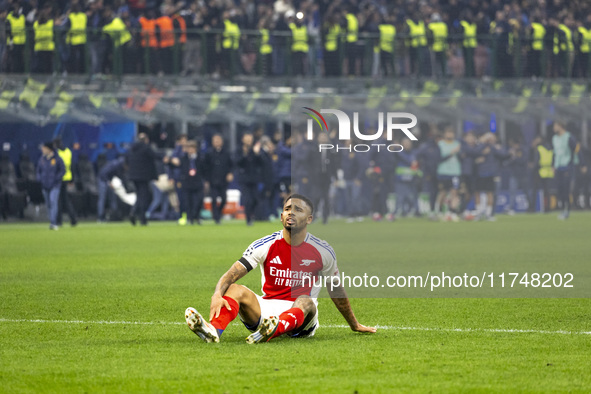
329 257
256 253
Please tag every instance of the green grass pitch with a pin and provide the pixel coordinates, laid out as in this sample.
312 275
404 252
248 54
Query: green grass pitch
73 301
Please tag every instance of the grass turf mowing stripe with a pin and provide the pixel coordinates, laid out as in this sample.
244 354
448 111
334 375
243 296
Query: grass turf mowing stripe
395 328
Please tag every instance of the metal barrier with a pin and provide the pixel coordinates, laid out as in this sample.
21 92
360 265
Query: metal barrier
498 57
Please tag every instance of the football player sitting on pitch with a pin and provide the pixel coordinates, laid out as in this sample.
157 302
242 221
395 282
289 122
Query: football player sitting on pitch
292 263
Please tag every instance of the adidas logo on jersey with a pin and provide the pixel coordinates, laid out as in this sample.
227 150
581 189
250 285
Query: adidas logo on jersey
275 260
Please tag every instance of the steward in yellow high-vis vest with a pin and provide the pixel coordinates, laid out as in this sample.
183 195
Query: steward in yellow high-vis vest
417 33
386 47
299 38
299 47
43 35
118 32
16 29
332 44
66 155
16 38
563 39
230 45
120 37
439 33
64 200
545 162
231 35
564 48
352 51
265 47
77 33
44 42
535 56
583 45
544 176
469 44
417 46
265 57
76 39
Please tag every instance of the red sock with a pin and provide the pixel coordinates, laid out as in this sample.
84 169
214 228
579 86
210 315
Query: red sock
226 315
289 321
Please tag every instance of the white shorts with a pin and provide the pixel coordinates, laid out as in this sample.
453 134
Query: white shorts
275 308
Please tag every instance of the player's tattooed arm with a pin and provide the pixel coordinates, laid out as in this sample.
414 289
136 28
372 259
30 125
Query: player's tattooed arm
340 300
231 276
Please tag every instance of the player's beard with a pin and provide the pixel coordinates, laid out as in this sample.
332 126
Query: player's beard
293 228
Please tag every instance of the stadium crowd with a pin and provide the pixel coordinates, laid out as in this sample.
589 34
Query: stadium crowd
473 38
462 178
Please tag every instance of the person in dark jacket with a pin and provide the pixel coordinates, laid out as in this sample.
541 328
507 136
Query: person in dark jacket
563 161
381 166
353 168
517 166
405 182
283 169
322 169
249 164
142 169
114 168
175 174
488 162
50 171
218 165
429 157
267 179
467 183
192 177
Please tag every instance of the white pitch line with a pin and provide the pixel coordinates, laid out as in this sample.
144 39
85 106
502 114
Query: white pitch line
394 328
486 330
139 323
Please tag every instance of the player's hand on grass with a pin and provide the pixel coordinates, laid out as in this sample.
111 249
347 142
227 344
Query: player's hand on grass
217 303
361 328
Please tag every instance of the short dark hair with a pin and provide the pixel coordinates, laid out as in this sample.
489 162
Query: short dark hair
57 143
303 198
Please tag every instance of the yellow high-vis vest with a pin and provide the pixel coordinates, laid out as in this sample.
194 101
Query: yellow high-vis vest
332 37
118 32
265 48
387 35
77 33
418 33
439 30
300 38
585 39
352 28
545 162
17 28
44 36
564 46
539 32
66 156
231 35
469 34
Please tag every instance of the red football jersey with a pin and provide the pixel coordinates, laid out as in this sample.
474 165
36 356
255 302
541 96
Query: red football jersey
291 271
